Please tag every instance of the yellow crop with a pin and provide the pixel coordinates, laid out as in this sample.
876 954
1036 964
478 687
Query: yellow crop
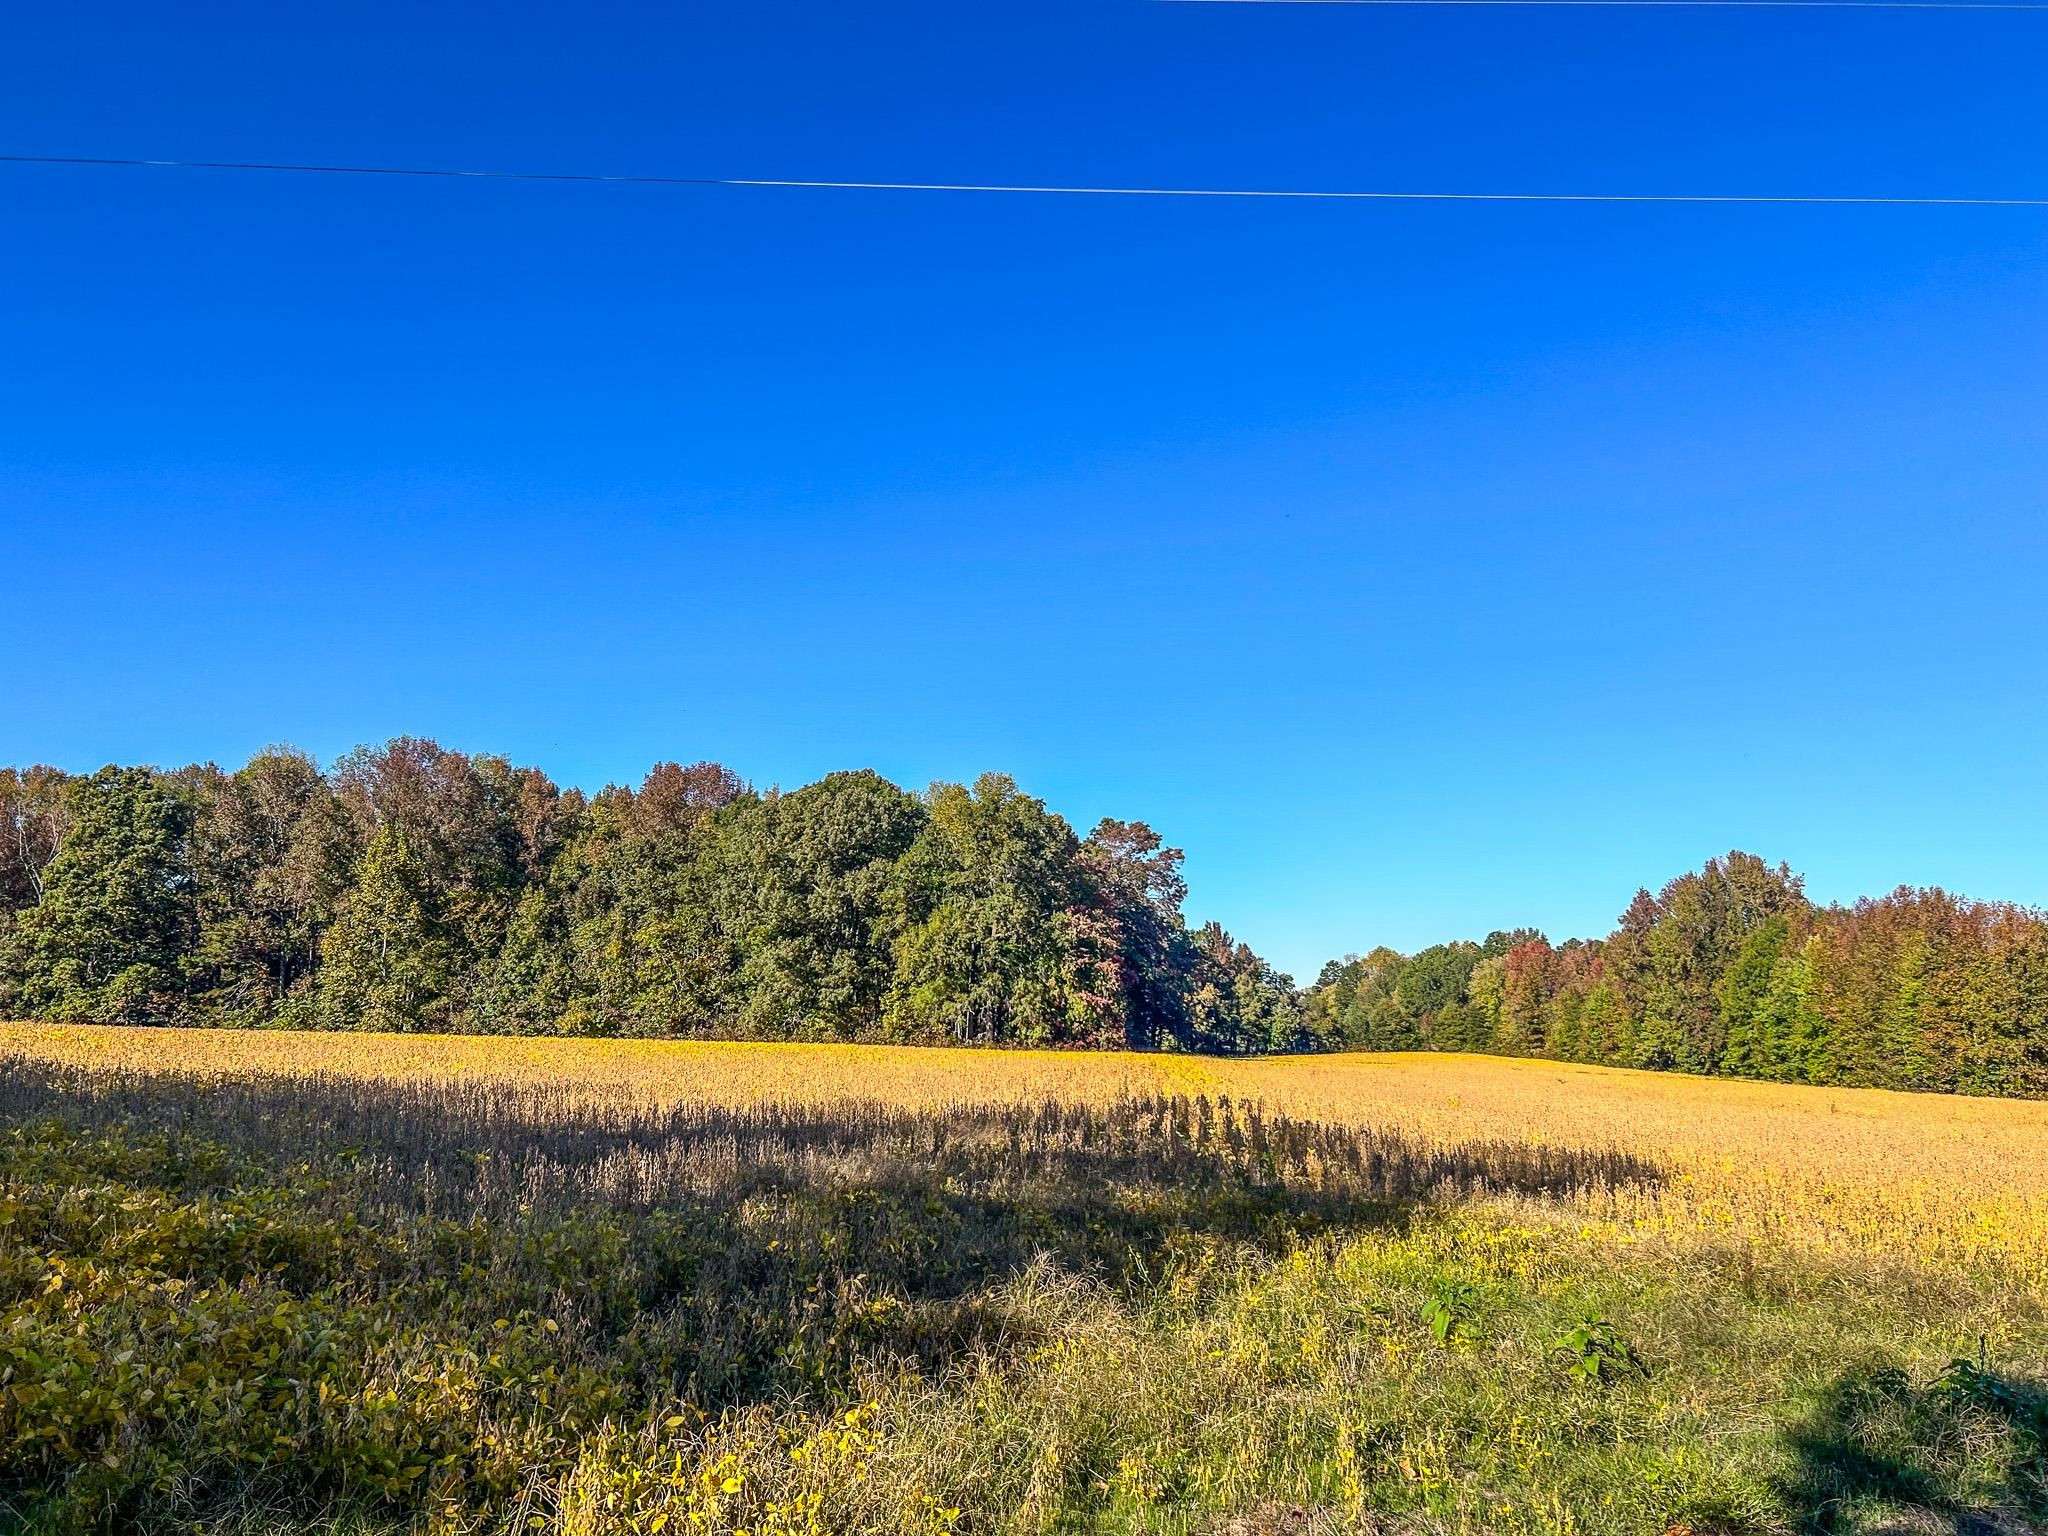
1921 1179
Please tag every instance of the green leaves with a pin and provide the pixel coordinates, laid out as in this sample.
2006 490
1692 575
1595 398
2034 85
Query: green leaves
1450 1312
108 940
990 951
1595 1355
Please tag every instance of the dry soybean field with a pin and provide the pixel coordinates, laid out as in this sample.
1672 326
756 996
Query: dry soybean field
265 1281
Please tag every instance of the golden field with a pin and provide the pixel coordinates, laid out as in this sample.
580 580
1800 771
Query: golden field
1922 1179
273 1284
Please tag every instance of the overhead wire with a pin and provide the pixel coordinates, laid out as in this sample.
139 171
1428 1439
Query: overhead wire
1881 200
1728 5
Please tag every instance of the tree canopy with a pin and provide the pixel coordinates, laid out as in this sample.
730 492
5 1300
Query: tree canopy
411 887
1731 970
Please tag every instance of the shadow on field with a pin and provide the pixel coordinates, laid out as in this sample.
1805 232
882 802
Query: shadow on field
1880 1455
732 1254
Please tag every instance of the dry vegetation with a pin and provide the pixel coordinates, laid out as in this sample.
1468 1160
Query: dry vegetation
1933 1178
266 1281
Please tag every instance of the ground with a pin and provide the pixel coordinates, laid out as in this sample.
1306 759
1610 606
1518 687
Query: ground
270 1281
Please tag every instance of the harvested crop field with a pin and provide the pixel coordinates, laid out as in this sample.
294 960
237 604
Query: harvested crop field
263 1281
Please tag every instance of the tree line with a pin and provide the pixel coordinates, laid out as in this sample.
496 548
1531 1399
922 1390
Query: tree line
417 888
411 887
1731 970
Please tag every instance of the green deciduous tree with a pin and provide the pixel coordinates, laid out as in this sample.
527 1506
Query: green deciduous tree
271 855
1701 921
1793 1040
392 960
994 943
1740 993
1238 1003
110 939
802 890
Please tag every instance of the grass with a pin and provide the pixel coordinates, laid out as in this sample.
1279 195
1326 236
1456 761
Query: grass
259 1282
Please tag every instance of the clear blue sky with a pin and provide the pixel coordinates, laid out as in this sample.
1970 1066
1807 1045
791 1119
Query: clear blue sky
1420 569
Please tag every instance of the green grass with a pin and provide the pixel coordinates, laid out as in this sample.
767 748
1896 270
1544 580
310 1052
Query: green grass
253 1305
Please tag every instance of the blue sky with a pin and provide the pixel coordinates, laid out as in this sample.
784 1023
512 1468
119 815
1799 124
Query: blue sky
1420 569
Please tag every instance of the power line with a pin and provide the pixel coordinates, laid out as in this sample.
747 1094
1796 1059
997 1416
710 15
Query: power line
440 173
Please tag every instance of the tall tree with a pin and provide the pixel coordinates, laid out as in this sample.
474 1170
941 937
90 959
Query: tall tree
271 857
110 938
1432 992
995 944
1527 984
1701 920
34 816
1238 1003
460 837
1136 887
1792 1034
801 890
648 954
392 960
1740 993
1605 1026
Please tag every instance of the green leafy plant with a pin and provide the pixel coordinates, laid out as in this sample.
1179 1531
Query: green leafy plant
1595 1354
1976 1383
1451 1310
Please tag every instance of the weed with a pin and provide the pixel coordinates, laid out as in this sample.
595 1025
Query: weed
1450 1312
1594 1354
